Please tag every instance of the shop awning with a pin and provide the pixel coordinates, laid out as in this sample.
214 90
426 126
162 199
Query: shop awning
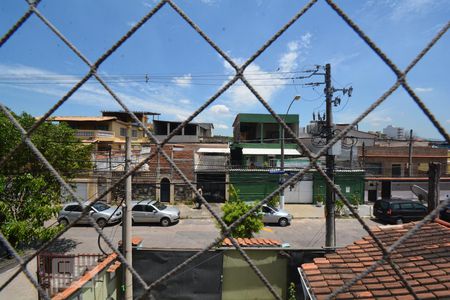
269 151
213 150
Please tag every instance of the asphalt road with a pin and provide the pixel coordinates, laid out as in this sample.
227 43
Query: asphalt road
187 234
198 233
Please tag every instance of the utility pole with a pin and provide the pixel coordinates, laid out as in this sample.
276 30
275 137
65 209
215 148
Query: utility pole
126 222
330 235
410 151
434 174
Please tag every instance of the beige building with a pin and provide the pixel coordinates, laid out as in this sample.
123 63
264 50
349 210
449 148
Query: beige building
108 131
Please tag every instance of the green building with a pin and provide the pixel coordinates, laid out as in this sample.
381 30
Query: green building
257 140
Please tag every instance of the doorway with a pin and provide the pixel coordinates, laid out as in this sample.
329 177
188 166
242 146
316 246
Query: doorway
165 190
396 170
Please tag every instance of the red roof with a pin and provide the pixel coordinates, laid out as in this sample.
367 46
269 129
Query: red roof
424 259
253 242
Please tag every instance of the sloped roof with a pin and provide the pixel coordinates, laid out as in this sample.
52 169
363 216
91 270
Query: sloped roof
81 119
252 242
424 259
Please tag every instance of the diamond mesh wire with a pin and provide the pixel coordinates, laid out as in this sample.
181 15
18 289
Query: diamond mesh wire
226 230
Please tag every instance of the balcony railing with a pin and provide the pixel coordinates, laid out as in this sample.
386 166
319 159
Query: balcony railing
94 134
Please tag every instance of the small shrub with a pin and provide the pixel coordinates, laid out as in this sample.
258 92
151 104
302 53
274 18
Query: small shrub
274 201
291 292
234 209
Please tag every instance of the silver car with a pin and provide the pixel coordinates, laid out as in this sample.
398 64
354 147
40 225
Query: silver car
150 211
101 212
275 215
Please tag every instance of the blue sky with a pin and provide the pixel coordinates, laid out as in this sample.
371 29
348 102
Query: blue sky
167 67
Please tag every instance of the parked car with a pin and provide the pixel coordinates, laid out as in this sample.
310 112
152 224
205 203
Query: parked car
151 211
101 212
445 214
398 211
275 215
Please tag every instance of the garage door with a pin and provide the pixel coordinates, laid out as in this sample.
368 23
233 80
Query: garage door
301 193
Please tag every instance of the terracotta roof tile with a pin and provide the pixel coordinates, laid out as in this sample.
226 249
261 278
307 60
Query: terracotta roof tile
252 242
424 260
442 294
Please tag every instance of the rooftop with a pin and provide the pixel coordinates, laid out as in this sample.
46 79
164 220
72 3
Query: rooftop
423 258
147 113
81 118
264 118
252 242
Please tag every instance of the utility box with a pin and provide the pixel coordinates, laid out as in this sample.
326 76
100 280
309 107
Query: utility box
350 182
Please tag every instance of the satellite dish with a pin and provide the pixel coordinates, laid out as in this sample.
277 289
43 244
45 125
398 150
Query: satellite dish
421 193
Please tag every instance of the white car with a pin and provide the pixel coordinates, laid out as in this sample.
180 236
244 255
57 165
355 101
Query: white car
102 213
275 215
151 211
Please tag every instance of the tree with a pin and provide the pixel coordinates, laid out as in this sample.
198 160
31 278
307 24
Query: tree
29 194
234 209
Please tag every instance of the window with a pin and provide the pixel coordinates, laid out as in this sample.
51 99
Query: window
150 208
396 170
406 206
395 206
123 131
139 207
419 207
134 133
102 127
100 206
266 210
73 208
160 205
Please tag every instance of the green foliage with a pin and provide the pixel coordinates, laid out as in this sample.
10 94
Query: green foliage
291 292
339 206
274 201
234 209
354 199
29 194
319 199
232 193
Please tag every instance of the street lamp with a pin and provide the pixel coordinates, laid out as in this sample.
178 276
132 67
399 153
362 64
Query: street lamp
296 98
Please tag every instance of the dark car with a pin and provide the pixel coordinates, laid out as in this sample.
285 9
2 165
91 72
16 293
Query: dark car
445 214
398 211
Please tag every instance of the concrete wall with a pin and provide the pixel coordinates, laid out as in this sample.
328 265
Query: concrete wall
241 282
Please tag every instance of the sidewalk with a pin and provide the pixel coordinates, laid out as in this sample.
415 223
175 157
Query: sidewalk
298 211
188 212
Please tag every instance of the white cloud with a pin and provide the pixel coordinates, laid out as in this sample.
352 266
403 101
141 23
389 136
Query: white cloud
267 83
408 8
209 2
221 126
219 109
378 118
185 101
137 96
183 81
340 59
423 89
131 23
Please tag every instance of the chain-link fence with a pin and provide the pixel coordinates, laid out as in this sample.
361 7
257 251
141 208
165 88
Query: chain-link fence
238 76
